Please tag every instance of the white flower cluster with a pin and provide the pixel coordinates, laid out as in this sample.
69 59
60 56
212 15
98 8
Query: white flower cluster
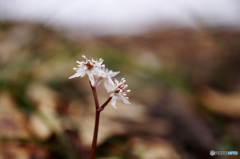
117 89
97 72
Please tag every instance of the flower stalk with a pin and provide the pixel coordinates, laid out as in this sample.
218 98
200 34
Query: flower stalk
97 119
104 105
96 126
95 135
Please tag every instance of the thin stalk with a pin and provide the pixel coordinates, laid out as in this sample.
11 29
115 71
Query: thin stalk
95 96
95 135
104 105
97 116
97 119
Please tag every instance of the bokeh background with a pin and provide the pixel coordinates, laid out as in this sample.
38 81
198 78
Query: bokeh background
181 60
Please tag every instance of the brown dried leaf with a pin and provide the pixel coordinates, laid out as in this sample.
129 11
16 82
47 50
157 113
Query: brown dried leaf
225 104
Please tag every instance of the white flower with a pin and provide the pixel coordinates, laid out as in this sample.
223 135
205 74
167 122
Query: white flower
90 67
118 92
105 74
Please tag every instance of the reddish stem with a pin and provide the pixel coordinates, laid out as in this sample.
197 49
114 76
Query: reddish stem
95 96
97 118
104 104
95 135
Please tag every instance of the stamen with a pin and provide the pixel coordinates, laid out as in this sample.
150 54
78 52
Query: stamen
117 91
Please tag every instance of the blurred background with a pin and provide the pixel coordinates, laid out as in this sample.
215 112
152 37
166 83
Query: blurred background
181 60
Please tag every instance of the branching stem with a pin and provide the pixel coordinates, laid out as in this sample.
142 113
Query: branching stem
97 119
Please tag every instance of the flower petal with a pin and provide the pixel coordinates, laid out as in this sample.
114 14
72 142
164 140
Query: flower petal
111 81
75 75
97 71
109 87
113 102
113 74
125 100
91 78
83 73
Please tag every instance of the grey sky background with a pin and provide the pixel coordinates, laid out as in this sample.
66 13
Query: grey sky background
122 16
